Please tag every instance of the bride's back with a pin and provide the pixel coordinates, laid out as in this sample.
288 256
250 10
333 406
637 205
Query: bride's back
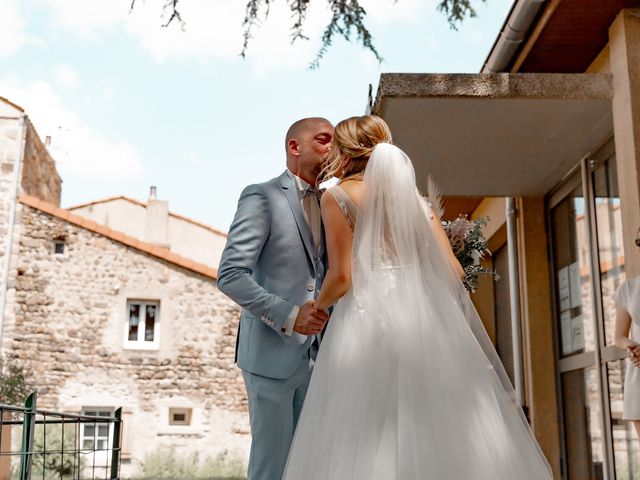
355 190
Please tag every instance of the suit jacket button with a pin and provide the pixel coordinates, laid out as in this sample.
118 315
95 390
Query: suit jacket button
310 287
283 330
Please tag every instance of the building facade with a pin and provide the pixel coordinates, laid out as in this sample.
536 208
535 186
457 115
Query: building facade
104 318
153 222
546 142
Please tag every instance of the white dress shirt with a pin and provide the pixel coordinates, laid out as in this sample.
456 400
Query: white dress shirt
313 217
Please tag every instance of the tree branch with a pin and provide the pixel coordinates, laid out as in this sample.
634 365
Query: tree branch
456 11
299 10
252 18
172 7
347 19
347 15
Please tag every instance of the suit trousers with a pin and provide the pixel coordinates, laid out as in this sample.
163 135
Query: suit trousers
274 409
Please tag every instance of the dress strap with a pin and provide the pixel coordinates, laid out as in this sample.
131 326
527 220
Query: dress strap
347 205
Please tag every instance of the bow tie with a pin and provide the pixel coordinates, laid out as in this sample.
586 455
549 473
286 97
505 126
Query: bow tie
312 191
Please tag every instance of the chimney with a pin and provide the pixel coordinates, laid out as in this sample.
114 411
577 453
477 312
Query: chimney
157 222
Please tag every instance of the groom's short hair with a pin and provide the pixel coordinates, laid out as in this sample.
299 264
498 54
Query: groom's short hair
297 127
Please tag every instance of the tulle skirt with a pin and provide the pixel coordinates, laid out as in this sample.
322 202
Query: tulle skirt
402 390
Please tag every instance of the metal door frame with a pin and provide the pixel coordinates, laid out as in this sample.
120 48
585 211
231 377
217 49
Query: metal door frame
582 174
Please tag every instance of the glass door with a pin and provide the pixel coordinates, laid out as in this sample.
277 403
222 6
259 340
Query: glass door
588 265
573 287
612 273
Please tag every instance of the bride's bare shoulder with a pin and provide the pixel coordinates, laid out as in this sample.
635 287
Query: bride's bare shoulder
353 188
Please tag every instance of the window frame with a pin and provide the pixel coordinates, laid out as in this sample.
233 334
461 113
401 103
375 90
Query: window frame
142 344
188 413
196 428
97 411
59 242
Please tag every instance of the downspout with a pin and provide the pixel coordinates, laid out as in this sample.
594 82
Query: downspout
12 215
514 300
513 33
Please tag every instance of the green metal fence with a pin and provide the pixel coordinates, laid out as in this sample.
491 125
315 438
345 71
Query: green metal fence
52 445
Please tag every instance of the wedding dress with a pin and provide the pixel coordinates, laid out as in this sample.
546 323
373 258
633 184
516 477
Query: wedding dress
407 384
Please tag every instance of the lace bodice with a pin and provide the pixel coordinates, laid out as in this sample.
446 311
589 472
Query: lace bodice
347 205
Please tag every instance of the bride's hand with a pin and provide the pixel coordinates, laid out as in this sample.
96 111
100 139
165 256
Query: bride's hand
320 308
310 320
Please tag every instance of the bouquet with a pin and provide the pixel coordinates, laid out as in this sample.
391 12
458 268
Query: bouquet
466 238
469 246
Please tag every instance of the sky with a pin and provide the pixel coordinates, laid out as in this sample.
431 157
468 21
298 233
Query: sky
129 104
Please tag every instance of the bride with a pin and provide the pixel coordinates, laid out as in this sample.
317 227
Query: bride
406 385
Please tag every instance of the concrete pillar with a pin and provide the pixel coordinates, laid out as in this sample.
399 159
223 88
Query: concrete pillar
624 48
538 329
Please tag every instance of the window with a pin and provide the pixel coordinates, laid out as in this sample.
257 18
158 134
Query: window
58 247
180 416
96 436
142 324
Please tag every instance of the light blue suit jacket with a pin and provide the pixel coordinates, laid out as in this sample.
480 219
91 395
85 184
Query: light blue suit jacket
269 265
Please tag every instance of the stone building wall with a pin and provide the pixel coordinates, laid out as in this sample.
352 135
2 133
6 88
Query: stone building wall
10 128
11 134
40 178
68 323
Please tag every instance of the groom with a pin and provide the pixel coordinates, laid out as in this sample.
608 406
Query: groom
273 266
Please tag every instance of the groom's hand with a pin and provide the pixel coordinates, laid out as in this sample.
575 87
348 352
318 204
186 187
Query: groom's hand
310 320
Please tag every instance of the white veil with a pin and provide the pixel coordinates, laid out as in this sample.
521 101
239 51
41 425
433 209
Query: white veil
394 231
407 384
398 261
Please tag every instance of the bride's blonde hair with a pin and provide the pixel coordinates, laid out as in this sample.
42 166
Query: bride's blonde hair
354 138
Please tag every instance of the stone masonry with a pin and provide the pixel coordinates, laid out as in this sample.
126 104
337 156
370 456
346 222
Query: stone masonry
25 166
39 175
65 316
11 134
69 322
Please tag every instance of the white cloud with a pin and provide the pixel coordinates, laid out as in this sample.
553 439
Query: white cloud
76 148
66 76
12 28
271 46
86 18
214 29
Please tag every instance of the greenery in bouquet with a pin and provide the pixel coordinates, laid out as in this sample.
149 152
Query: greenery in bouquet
469 246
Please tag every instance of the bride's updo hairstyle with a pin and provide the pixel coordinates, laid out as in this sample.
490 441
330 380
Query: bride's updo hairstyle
354 139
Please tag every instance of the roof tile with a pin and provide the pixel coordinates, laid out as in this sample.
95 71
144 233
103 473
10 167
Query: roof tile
117 236
47 207
120 237
103 230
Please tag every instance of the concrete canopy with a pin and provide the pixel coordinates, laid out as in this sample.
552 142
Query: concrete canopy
496 134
